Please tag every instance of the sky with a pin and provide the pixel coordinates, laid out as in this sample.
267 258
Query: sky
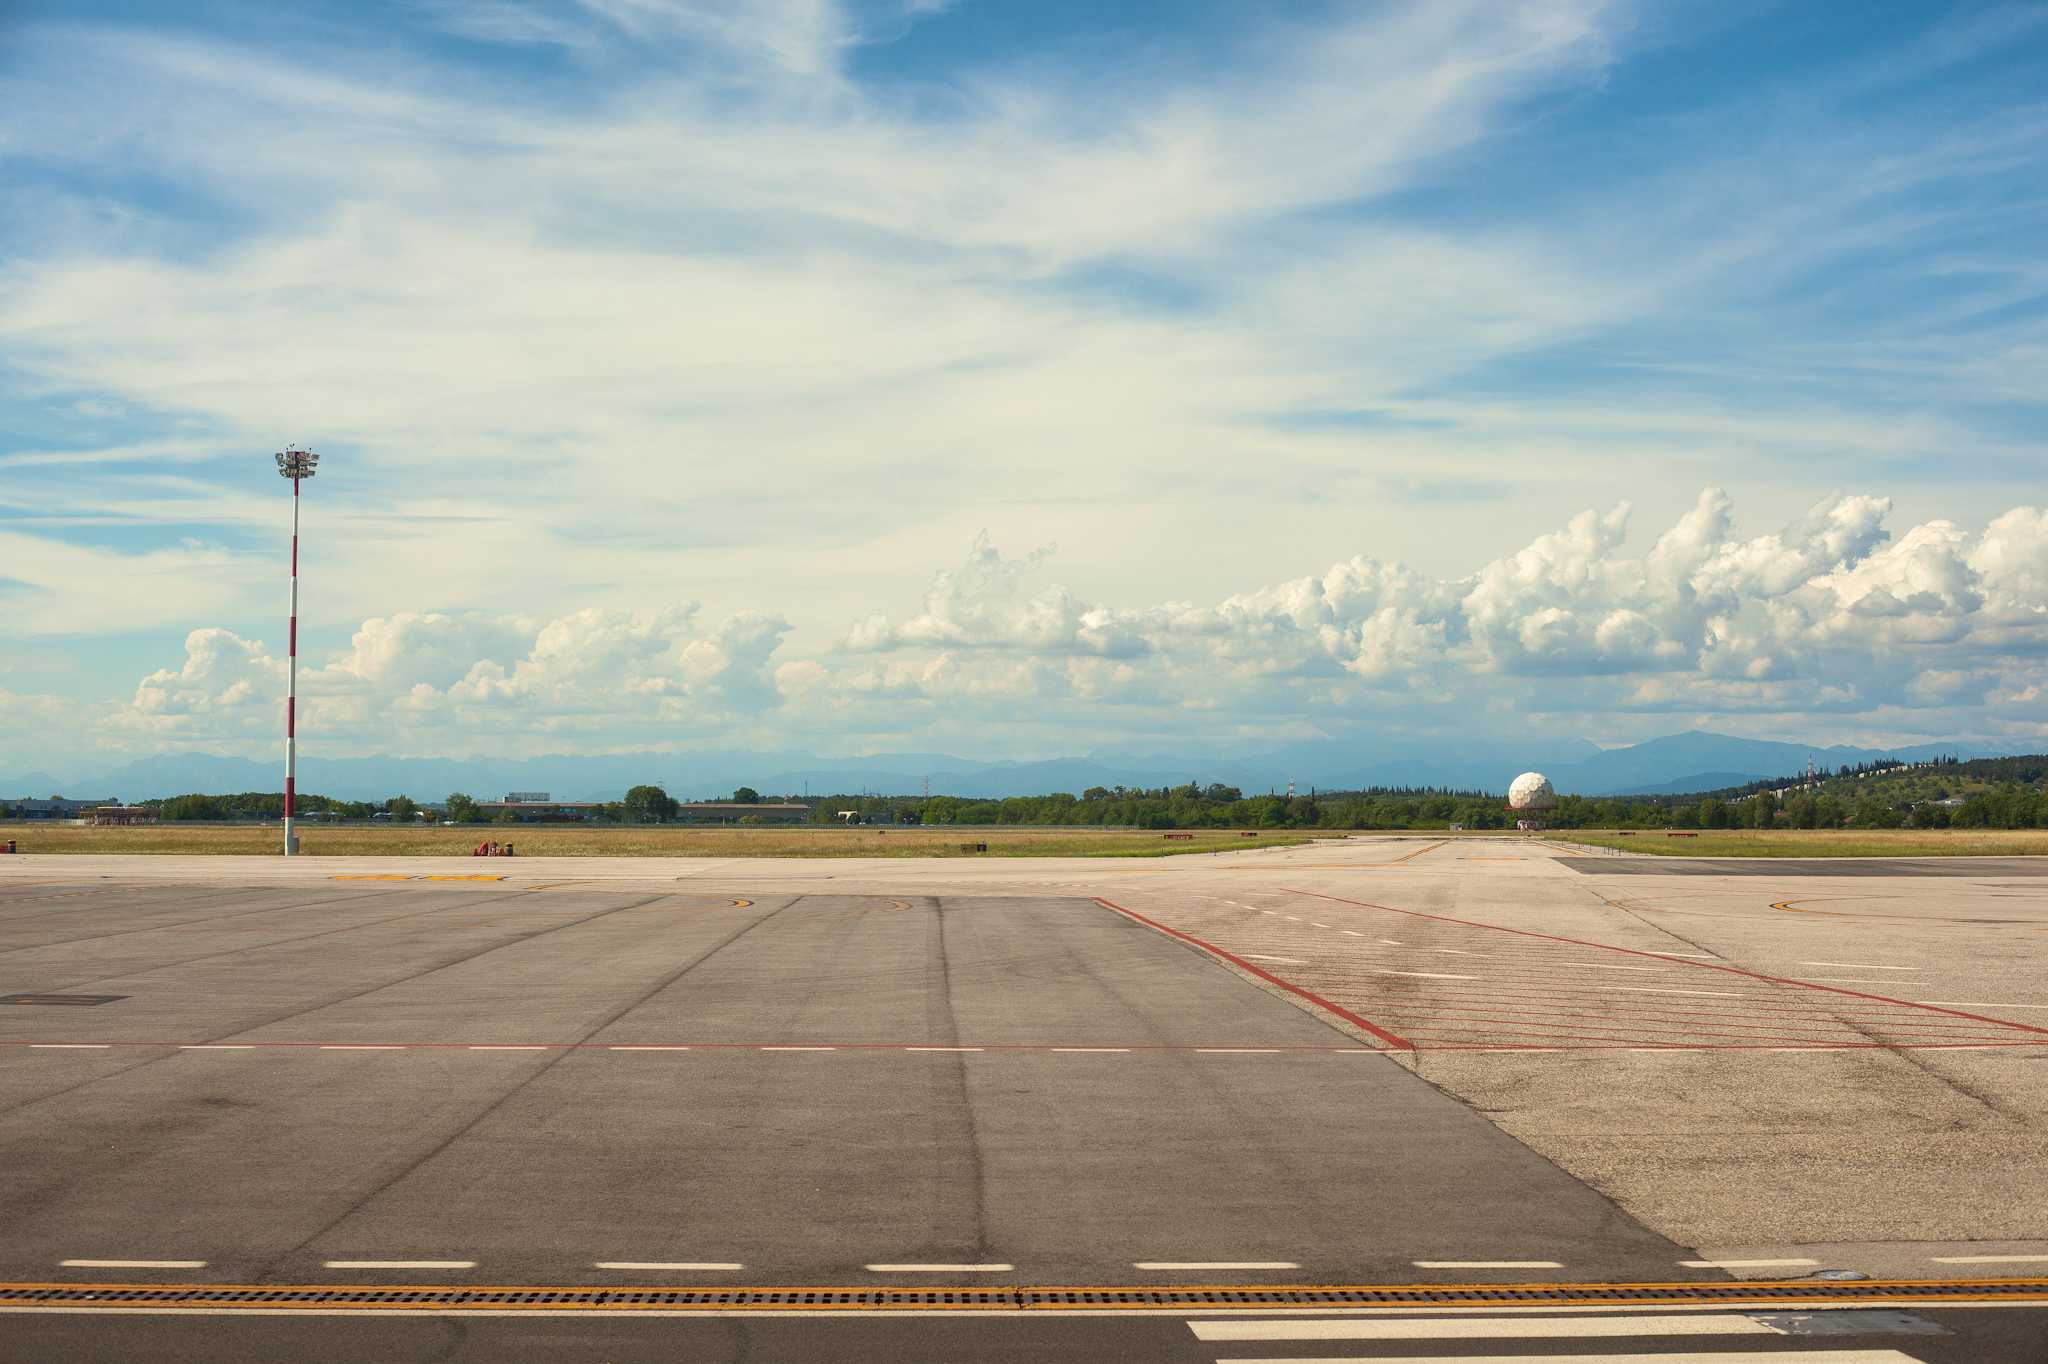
1020 379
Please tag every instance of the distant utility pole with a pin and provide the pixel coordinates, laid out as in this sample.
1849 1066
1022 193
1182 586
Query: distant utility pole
296 465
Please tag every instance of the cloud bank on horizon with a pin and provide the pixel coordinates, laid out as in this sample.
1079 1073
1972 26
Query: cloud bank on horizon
659 351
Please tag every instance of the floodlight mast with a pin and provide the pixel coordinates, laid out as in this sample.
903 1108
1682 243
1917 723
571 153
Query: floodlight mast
294 464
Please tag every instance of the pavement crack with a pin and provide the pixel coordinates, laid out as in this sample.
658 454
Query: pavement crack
954 1124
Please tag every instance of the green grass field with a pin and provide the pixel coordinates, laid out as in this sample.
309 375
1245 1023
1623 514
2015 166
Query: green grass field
1820 842
539 840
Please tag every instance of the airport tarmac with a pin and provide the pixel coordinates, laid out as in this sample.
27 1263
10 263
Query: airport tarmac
1378 1061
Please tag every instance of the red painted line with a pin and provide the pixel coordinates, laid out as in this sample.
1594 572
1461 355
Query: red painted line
1632 1011
1337 1009
1675 961
704 1046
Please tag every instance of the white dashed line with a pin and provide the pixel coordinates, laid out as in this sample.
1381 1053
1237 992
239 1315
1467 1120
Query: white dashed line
503 1047
1605 966
1683 954
945 1049
1990 1259
1748 1264
1093 1050
1486 1264
1214 1264
1859 966
1290 918
1313 924
69 1046
668 1264
941 1269
1351 933
1422 975
1392 943
799 1049
401 1264
1654 990
1238 1051
133 1264
363 1046
1291 961
1963 1004
644 1046
218 1046
1274 912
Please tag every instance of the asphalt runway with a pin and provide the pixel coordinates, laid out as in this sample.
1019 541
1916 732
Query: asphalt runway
1376 1062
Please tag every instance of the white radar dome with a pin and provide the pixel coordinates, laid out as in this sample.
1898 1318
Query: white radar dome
1532 791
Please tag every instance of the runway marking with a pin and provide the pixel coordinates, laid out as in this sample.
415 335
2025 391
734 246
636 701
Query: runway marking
400 1264
645 1046
945 1049
133 1264
1958 1004
1290 961
365 1046
1347 932
1749 1264
370 876
216 1046
1859 966
1314 924
1214 1264
798 1049
1237 1051
502 1046
1656 990
1602 966
1096 1050
1486 1264
1661 1357
1392 943
1637 952
1336 1010
1423 975
460 878
1989 1259
941 1269
1486 1328
665 1265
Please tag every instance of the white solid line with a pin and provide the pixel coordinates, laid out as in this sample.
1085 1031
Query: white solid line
1654 990
1424 975
1605 966
133 1264
1990 1259
1214 1264
799 1049
1291 961
1483 1328
1859 966
1684 1357
941 1269
1274 912
1965 1004
1486 1264
401 1264
644 1046
1290 918
667 1264
1092 1050
1748 1264
1351 933
1390 942
945 1049
1314 924
1238 1051
69 1046
361 1046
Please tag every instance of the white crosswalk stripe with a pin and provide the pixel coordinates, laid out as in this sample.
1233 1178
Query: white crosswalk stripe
1604 1328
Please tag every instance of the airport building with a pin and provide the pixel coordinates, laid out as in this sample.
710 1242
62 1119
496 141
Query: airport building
733 812
535 807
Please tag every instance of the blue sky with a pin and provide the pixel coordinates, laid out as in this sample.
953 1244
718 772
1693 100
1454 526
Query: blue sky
1022 379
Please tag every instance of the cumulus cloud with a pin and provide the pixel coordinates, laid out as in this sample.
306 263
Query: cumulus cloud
1827 612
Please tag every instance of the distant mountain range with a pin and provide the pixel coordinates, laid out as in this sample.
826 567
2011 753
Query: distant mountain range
1676 764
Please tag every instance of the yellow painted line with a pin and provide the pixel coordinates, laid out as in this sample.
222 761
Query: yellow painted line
741 904
371 876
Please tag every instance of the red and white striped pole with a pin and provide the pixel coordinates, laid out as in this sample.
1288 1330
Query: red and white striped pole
295 464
